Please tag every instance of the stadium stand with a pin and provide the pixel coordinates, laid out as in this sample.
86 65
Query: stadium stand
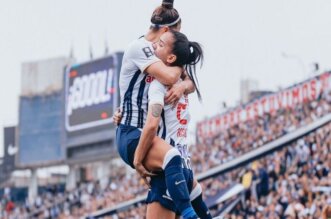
293 182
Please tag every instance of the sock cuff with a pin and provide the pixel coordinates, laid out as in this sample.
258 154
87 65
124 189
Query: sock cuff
196 192
173 152
189 213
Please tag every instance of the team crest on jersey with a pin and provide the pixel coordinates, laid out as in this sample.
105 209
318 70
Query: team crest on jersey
148 52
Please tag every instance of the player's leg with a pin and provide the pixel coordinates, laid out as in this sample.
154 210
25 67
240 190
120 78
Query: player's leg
162 156
156 210
198 204
154 159
159 202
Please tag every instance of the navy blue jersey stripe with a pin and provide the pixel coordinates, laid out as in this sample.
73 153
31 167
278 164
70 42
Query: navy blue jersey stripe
123 109
140 102
129 102
164 133
172 142
147 102
128 98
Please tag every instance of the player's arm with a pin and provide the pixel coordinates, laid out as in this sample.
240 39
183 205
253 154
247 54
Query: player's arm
156 95
165 74
149 132
178 90
144 58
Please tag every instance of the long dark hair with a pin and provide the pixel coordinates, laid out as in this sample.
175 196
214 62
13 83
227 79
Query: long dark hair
188 54
164 15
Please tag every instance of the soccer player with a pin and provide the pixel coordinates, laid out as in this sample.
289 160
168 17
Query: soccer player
139 65
171 123
173 48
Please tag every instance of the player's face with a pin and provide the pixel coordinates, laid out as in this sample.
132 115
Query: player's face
163 48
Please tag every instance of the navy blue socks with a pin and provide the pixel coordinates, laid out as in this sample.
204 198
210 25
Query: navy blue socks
176 184
198 204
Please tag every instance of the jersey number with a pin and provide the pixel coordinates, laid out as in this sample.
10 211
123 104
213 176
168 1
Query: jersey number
148 52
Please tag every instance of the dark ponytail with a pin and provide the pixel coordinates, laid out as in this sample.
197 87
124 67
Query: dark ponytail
196 53
196 56
188 54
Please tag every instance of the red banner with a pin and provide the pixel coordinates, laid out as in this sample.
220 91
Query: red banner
288 98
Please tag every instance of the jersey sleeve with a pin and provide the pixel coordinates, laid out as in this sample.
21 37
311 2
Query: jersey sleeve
142 55
156 93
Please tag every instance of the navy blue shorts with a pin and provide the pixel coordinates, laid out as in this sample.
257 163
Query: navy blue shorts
159 192
127 139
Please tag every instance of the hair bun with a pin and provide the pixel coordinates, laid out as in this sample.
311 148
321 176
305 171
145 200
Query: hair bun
169 4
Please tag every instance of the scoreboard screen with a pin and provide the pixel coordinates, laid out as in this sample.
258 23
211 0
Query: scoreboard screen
90 94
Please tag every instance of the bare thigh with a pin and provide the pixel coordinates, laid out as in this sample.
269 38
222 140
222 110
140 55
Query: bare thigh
155 156
156 211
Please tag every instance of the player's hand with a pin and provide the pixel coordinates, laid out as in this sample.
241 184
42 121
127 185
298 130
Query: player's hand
117 117
143 172
174 94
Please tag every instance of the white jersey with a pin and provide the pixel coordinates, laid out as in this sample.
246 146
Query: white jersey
174 120
134 83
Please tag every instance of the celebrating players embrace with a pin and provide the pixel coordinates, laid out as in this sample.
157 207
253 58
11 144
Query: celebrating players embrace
152 134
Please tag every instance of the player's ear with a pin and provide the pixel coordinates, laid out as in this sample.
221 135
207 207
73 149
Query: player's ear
171 58
165 29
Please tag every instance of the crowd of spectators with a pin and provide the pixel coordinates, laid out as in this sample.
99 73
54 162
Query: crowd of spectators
251 134
298 181
86 198
293 183
298 177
